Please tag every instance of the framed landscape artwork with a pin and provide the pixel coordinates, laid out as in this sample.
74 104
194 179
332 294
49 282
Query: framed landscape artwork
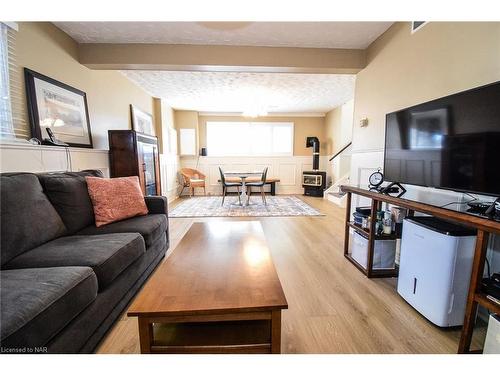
142 122
59 107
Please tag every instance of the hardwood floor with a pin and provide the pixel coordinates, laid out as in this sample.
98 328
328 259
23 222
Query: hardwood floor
333 308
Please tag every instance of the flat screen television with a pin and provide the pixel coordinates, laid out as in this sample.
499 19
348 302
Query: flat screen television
449 143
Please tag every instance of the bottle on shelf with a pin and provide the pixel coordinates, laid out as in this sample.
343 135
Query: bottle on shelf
379 225
387 223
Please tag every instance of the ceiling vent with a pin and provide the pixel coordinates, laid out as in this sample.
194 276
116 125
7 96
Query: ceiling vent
417 25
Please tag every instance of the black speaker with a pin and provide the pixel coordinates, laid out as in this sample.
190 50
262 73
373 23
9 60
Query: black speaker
203 151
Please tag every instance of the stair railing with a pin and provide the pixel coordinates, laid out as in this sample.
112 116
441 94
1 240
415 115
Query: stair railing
341 151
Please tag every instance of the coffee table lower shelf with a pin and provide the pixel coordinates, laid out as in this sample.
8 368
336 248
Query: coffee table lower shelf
236 333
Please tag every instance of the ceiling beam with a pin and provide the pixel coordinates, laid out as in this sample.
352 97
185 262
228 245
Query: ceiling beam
221 58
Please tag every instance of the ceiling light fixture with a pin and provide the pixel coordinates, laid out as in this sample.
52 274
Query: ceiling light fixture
254 113
225 26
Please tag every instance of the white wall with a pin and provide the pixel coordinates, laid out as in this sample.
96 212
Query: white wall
346 122
287 169
169 167
339 123
31 158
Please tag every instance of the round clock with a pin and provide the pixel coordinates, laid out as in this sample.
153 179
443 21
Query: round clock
376 179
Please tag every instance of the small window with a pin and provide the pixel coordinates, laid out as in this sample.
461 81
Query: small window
13 121
230 138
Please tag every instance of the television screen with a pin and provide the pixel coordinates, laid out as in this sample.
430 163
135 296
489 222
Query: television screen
451 143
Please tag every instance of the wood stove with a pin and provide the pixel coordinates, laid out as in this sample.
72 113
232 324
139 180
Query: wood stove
314 182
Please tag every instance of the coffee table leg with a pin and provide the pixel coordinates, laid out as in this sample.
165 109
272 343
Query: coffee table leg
276 332
145 335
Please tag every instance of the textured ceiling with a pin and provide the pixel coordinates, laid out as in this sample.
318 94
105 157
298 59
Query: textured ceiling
239 92
274 34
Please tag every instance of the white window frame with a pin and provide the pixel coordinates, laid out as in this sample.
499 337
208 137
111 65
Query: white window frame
251 153
7 126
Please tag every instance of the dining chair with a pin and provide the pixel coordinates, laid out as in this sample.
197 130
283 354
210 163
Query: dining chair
192 179
260 184
226 185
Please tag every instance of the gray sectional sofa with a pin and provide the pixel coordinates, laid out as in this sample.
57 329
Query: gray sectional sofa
64 281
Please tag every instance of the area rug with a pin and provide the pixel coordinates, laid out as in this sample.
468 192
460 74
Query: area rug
211 207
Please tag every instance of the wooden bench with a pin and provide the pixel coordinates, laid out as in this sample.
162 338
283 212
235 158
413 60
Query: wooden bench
271 181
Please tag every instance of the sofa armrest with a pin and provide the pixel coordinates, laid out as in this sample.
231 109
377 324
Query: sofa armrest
157 204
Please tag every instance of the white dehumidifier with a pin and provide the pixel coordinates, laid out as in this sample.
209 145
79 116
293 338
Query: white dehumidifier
435 268
492 342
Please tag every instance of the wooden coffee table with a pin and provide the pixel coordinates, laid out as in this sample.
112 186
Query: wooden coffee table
217 293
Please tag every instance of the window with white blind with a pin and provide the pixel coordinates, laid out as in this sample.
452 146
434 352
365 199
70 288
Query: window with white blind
12 99
230 138
6 127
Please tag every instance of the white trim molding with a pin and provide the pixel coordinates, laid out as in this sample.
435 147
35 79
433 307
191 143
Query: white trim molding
26 157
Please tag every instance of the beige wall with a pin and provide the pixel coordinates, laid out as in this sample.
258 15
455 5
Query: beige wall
338 127
167 118
404 69
303 127
169 160
332 128
164 121
158 119
221 58
42 47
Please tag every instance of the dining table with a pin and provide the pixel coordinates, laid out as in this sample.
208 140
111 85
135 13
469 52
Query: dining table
243 176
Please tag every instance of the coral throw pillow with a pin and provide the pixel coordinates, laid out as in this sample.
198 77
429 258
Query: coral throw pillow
115 199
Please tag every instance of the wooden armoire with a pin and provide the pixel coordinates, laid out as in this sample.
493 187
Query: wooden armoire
135 154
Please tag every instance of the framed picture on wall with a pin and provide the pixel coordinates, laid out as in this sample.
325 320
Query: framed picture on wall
59 107
187 141
142 122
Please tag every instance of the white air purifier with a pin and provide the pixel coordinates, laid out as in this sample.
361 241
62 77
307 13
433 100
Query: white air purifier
435 268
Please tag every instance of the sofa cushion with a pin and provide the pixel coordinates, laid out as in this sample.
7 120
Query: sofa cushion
108 254
38 303
68 194
87 329
27 216
150 227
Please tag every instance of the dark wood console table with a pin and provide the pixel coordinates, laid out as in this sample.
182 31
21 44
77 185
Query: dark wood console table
413 203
